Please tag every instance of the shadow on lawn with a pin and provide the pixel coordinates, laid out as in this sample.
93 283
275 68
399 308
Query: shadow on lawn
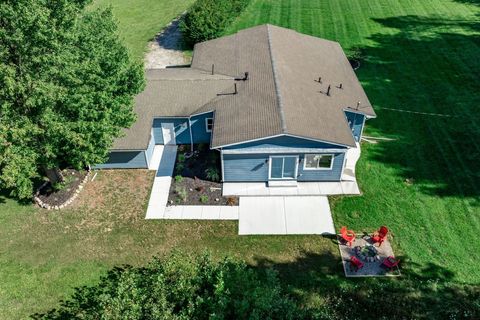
431 65
314 280
427 293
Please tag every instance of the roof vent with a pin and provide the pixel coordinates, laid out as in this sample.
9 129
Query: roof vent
245 77
340 86
235 88
213 69
358 104
328 90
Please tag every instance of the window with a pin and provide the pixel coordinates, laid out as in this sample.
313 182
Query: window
209 124
318 161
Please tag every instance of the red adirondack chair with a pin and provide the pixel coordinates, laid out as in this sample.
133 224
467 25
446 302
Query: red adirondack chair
347 235
356 263
380 235
390 262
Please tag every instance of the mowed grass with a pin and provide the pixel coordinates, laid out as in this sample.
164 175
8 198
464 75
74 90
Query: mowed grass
45 254
423 56
140 20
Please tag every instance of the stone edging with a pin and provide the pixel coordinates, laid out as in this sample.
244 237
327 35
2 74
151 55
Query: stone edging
44 205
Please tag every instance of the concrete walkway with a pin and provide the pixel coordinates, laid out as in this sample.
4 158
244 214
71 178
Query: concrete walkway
161 184
163 160
302 189
285 215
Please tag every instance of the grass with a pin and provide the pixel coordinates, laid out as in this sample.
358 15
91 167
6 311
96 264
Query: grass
45 254
420 55
141 20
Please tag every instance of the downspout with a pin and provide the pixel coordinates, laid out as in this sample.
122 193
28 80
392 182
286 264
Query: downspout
191 136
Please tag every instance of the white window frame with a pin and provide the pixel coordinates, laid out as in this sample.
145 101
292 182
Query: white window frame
317 154
206 124
282 156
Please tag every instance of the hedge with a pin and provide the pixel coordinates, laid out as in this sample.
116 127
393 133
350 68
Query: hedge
207 19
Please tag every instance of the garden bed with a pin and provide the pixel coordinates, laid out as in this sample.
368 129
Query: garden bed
196 178
54 196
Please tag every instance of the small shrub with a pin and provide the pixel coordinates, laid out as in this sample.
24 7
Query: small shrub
231 201
179 168
178 179
203 198
208 19
212 174
58 186
181 158
182 193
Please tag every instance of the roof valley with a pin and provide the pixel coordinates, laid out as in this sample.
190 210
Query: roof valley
275 81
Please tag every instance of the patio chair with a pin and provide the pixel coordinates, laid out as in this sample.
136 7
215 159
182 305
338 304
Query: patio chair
347 235
390 262
380 235
355 263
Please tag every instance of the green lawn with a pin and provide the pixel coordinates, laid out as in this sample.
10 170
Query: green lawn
420 55
141 20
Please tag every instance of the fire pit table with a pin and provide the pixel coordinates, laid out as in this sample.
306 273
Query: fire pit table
367 253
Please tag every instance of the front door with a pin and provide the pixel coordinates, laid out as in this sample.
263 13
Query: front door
168 132
283 167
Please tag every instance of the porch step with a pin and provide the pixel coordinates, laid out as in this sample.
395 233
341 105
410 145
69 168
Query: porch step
288 183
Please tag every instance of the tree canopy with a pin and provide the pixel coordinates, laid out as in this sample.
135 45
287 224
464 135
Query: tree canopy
181 286
66 88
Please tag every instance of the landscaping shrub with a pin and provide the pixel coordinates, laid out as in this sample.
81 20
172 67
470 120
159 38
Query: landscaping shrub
203 198
182 193
180 286
207 19
178 179
212 174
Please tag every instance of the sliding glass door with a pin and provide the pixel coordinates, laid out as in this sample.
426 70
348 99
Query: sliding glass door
283 167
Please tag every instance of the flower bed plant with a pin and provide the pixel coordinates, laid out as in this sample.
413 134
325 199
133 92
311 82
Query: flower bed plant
196 178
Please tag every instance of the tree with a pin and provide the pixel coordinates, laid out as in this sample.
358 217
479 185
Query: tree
181 286
66 88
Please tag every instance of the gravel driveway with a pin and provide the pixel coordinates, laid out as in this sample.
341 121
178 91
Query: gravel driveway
166 49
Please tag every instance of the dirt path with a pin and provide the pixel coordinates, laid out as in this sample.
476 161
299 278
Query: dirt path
166 49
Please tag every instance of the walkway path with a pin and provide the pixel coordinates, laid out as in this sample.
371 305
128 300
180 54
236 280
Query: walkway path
161 184
166 49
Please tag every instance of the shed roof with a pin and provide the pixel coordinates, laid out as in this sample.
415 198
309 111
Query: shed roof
281 96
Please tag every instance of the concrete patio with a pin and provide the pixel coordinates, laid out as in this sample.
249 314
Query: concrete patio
302 189
370 269
285 215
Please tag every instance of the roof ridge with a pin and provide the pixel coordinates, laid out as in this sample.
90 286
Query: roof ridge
275 81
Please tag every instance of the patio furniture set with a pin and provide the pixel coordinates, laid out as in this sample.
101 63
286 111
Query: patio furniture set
368 252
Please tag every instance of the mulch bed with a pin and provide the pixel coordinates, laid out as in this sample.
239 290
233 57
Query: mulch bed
191 185
53 197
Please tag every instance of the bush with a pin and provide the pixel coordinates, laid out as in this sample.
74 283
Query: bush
203 198
207 19
178 179
180 286
212 174
182 193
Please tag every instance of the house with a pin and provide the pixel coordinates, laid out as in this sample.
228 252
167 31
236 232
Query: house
279 106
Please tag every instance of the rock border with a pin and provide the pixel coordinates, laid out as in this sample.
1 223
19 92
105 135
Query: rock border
44 205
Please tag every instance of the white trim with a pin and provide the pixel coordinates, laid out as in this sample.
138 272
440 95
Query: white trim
359 112
206 125
343 164
146 158
199 114
283 151
222 166
281 135
283 156
315 154
191 136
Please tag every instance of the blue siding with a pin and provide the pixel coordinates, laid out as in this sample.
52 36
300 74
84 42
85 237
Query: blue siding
254 168
124 160
182 133
149 151
355 122
285 142
199 129
245 167
334 174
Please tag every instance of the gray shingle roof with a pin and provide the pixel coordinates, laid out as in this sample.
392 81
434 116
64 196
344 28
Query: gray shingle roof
281 96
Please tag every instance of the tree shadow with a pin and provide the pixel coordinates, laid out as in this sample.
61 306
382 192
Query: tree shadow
429 65
427 293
